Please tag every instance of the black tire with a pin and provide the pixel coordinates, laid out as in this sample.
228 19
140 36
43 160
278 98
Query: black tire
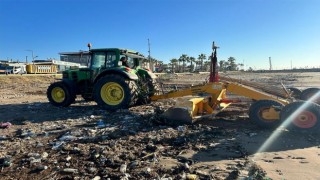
60 94
307 94
256 110
147 88
118 93
154 87
301 116
295 92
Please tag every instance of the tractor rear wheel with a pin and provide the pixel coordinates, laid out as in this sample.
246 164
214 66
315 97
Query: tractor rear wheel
113 92
60 94
154 87
311 94
264 113
147 88
302 115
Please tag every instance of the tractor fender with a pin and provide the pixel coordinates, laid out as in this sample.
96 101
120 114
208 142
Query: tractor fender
147 73
152 76
124 74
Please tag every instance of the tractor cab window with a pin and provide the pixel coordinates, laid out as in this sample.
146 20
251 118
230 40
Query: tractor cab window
111 59
130 61
98 60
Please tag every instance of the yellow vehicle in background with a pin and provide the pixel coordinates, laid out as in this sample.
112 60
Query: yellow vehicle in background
41 69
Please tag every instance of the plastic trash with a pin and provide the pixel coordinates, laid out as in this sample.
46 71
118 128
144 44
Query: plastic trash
3 138
67 138
181 128
57 145
5 125
70 170
101 124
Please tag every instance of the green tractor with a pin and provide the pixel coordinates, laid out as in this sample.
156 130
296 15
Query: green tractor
111 83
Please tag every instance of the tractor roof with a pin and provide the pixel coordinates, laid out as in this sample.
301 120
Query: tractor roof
122 51
128 52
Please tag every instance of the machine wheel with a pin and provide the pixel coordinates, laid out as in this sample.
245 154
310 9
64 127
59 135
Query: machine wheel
307 94
60 94
154 87
295 92
113 92
302 115
263 115
147 88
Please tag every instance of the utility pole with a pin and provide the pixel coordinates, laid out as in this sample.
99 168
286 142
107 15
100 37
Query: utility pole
270 63
26 59
291 64
149 57
31 54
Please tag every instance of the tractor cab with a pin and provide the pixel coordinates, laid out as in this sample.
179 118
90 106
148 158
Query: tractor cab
110 58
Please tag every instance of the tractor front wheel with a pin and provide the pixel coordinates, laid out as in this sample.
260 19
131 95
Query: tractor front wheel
265 113
113 92
302 115
60 94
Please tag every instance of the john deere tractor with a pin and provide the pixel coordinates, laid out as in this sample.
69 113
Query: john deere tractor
106 81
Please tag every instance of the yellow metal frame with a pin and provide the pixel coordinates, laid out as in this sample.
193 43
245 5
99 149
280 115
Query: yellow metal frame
214 96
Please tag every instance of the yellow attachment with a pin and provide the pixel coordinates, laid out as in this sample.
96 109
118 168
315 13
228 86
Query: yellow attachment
58 94
269 114
112 93
252 93
195 106
213 89
186 109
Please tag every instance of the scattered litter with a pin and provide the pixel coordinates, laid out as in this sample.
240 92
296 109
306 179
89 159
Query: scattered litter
181 128
67 138
70 170
101 124
3 137
252 134
5 125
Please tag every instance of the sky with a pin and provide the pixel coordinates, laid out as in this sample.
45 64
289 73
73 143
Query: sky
251 31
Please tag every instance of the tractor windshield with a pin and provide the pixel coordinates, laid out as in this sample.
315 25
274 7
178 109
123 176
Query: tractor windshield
129 63
98 60
133 61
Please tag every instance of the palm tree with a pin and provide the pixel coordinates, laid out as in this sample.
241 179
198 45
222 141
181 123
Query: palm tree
197 62
192 60
207 64
183 58
201 57
173 63
179 68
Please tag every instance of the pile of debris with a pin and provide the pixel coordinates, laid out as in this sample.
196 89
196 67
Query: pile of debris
122 145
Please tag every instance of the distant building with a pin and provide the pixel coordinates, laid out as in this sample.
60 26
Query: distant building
82 57
61 65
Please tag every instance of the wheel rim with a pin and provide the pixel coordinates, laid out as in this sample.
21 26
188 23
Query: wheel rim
305 119
112 93
58 94
269 114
